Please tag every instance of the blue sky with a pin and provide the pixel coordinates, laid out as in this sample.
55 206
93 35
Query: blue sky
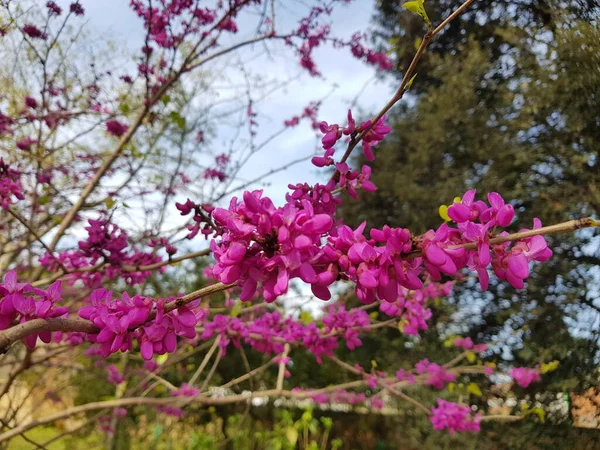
343 79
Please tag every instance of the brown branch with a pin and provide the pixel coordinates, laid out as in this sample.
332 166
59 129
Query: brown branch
13 334
281 373
204 361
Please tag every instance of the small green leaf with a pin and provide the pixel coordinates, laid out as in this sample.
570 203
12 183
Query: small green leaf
109 202
538 412
165 99
306 317
412 6
550 367
471 357
327 422
409 84
43 199
473 388
178 119
235 311
124 108
418 8
451 387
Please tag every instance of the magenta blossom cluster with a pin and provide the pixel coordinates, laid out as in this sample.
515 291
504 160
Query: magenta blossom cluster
264 244
476 223
34 32
123 319
168 23
202 222
467 344
359 51
333 133
116 128
454 417
437 376
524 376
411 305
339 396
53 8
309 112
185 390
219 171
313 34
114 375
106 244
20 302
10 185
269 332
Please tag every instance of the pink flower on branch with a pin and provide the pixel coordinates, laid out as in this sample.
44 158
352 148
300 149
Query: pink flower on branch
454 417
524 376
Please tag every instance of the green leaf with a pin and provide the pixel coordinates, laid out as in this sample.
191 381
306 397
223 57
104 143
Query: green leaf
327 422
473 388
165 99
412 6
408 85
449 342
178 119
418 8
550 367
538 412
471 357
124 108
237 308
43 199
306 317
109 202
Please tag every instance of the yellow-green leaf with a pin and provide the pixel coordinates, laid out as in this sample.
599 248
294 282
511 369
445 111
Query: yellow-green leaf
443 210
550 367
471 357
449 342
451 387
292 435
412 6
109 202
306 317
235 311
473 388
410 82
160 360
418 8
538 412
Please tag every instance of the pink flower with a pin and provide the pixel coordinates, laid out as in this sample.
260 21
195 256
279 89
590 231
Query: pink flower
524 376
76 9
10 185
438 376
454 417
53 8
374 136
33 31
31 102
116 128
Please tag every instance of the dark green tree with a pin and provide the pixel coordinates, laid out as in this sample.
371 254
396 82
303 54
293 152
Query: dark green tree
507 100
